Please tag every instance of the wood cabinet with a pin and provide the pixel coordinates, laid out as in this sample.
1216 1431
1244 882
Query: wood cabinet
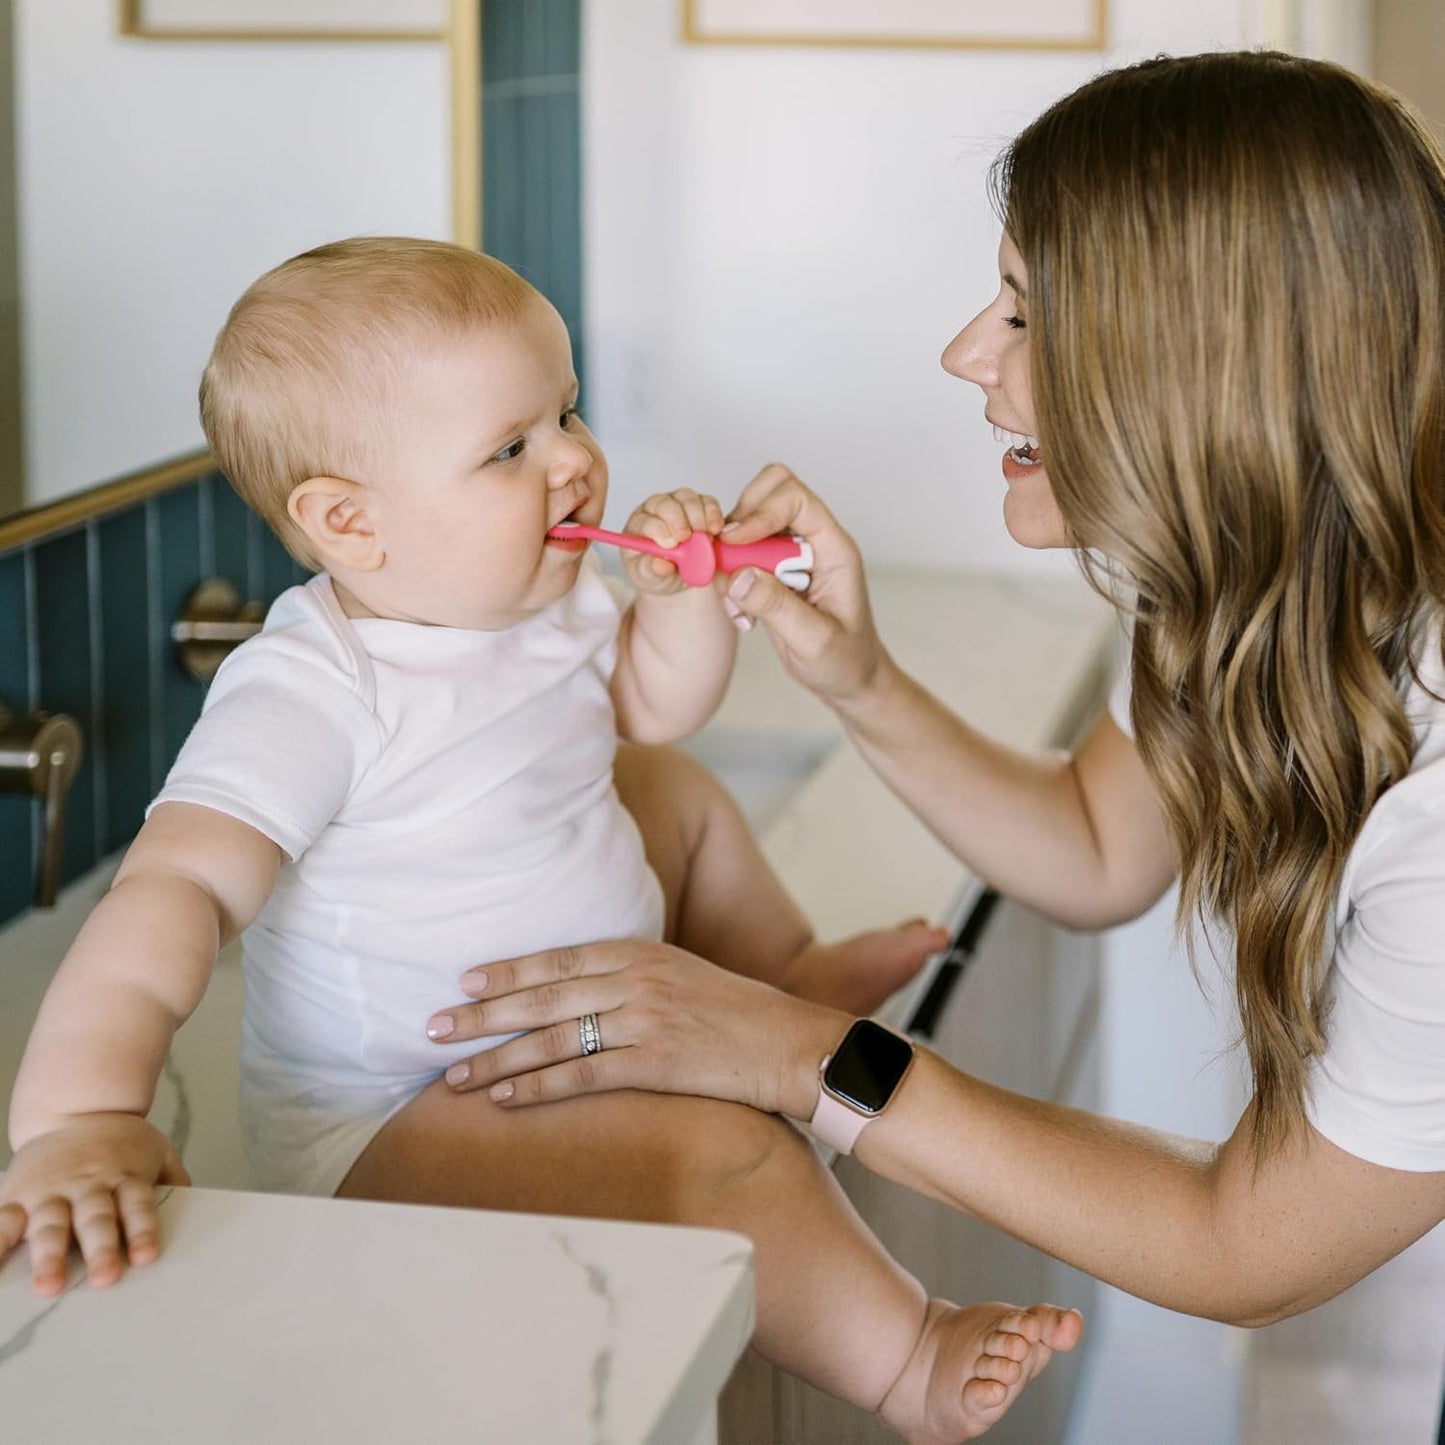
1025 1017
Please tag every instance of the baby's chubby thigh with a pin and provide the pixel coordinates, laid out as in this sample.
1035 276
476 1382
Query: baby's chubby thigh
658 1158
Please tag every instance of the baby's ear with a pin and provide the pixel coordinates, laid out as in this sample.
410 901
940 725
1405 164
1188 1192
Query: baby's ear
334 516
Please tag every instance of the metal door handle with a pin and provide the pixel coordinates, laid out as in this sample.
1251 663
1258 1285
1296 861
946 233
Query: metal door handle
40 756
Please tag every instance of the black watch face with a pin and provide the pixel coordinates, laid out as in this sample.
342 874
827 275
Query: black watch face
867 1065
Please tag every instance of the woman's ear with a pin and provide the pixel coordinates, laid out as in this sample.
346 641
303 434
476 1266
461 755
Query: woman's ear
335 516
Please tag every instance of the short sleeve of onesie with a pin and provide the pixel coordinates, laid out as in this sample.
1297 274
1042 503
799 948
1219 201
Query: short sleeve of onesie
286 730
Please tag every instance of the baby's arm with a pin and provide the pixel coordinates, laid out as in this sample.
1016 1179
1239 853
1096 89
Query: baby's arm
676 646
85 1157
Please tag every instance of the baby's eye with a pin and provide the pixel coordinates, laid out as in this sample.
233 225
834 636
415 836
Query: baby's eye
1017 322
511 453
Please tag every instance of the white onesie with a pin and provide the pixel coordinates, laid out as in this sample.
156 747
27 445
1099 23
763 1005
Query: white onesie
444 798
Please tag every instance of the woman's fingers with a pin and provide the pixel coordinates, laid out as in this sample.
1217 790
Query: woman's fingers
801 630
552 1059
772 502
552 965
555 987
532 1009
776 501
668 1021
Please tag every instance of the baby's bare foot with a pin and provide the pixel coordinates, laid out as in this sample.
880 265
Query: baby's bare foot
860 973
970 1365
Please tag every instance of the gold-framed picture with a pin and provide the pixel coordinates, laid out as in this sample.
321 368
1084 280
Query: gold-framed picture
284 19
966 24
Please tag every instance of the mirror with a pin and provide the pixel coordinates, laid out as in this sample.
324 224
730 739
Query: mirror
148 179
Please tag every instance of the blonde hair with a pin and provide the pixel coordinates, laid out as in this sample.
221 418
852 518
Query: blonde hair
1236 282
313 356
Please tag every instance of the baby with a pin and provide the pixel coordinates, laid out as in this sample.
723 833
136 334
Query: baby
411 772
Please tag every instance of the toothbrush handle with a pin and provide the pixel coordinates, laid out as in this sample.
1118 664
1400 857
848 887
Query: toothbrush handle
627 540
788 558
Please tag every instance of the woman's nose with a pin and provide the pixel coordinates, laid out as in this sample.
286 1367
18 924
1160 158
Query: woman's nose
969 358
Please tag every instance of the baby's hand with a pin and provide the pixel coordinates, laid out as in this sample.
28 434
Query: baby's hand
669 518
92 1180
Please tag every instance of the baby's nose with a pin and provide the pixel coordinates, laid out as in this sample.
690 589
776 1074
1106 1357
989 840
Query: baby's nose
570 462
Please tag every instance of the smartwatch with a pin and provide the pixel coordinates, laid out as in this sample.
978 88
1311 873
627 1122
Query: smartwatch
856 1081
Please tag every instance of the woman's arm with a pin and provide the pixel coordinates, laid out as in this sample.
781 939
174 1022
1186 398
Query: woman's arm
1078 837
1203 1229
1200 1228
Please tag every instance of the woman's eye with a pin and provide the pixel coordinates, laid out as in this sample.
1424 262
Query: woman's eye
1016 322
569 416
511 453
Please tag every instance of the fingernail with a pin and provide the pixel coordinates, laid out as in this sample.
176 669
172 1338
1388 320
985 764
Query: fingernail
731 608
731 526
475 982
743 624
741 583
501 1092
459 1074
440 1026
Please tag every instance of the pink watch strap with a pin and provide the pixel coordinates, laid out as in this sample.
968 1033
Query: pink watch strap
833 1122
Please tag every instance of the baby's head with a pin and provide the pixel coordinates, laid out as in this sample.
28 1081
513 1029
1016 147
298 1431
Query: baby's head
401 412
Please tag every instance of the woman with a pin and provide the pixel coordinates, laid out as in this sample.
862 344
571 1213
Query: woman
1222 315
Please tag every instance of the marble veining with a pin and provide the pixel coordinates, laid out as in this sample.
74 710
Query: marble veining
21 1340
601 1372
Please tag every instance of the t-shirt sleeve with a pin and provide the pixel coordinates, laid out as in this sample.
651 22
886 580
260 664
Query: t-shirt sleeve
279 745
1378 1091
1122 686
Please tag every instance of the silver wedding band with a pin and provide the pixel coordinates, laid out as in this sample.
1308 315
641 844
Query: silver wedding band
590 1034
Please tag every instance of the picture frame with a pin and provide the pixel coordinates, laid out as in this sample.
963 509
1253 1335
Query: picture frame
283 19
925 24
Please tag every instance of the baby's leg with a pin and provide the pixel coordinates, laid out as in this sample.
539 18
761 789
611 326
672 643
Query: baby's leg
832 1306
725 903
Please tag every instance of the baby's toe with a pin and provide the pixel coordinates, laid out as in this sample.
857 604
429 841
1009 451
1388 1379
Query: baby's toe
1006 1344
1000 1368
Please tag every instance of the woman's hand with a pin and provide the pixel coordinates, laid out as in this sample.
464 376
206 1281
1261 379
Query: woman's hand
827 642
92 1180
669 1022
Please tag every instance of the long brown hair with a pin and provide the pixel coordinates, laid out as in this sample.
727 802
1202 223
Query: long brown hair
1236 279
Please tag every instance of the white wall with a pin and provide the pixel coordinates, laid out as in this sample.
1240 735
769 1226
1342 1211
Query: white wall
158 178
780 240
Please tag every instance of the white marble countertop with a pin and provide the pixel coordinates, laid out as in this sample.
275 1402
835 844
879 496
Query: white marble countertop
492 1326
290 1320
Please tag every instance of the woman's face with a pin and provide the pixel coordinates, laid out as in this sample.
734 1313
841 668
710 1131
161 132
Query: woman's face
992 351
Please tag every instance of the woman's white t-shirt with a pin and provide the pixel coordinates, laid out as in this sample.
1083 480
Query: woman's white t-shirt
1378 1091
445 799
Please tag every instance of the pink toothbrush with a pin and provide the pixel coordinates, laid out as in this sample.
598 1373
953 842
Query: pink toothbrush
701 557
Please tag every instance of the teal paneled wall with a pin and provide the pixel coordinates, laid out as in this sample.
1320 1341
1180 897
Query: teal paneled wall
532 149
85 618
